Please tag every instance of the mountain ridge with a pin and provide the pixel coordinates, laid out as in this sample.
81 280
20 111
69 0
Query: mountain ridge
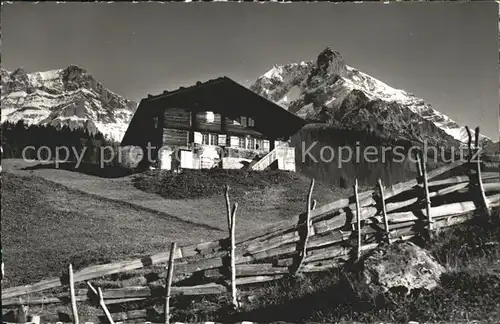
69 96
316 90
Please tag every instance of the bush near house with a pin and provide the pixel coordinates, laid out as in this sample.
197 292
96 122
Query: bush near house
210 182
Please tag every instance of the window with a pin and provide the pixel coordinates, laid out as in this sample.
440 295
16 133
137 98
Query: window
251 122
243 121
241 143
251 143
155 122
214 139
204 139
210 116
259 144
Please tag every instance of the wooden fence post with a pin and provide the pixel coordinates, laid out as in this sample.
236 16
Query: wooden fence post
420 176
427 198
22 314
98 293
74 310
482 194
232 255
310 205
387 234
469 142
168 283
228 208
358 218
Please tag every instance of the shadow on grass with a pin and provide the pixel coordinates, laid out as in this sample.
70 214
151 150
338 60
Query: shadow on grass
86 168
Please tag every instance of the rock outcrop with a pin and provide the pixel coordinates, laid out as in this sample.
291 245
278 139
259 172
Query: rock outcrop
402 266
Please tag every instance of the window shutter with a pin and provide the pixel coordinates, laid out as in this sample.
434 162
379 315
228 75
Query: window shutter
197 137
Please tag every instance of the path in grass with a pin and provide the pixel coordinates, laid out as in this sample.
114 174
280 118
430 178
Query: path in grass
256 209
46 226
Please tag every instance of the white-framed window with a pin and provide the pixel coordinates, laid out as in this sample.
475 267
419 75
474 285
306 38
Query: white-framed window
241 142
155 122
251 122
210 116
205 139
243 121
214 139
259 144
251 143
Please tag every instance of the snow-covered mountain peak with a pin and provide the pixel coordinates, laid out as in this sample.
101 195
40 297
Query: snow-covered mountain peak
69 96
308 88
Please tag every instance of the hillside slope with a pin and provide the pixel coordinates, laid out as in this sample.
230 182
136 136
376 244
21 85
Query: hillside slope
46 226
67 96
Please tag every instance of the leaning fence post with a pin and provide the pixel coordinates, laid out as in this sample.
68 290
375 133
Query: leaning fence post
307 227
482 194
74 310
232 255
228 207
427 197
469 142
168 283
98 293
358 218
384 212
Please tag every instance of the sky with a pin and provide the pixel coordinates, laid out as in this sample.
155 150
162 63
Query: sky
445 53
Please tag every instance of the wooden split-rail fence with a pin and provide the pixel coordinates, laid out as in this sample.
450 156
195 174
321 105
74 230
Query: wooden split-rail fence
319 239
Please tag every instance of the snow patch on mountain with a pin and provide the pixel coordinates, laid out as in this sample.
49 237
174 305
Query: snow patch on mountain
70 97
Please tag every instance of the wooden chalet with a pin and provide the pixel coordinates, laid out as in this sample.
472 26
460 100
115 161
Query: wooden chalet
218 123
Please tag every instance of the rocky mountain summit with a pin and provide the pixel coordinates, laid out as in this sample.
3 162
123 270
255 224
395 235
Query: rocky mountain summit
69 96
329 91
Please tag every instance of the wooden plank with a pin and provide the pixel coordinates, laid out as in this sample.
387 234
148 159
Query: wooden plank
461 179
59 299
399 188
256 279
249 270
87 274
451 189
158 291
490 187
175 137
177 118
444 210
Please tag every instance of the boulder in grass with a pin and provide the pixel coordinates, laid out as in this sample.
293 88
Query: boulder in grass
401 266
